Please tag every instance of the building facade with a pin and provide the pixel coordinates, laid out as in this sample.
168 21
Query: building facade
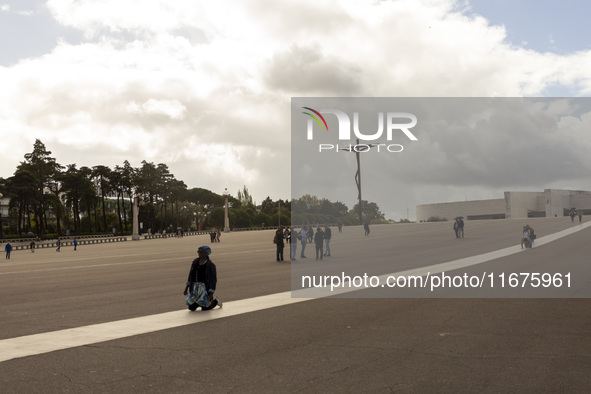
549 203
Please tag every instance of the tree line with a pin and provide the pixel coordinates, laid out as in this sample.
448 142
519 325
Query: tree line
313 210
47 199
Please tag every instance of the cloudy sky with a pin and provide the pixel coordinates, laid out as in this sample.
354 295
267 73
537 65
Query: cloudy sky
461 149
205 87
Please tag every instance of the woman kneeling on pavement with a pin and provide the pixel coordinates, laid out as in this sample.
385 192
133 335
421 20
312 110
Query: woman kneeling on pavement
200 287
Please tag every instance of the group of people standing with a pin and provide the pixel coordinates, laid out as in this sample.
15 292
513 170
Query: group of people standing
321 238
573 213
215 235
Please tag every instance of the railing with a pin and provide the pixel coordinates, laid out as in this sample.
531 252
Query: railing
65 237
71 243
101 239
173 235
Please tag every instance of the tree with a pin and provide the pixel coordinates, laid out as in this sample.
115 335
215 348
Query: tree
128 182
259 219
178 193
22 189
370 211
205 199
147 181
245 198
72 185
240 218
102 176
89 196
44 169
216 218
117 187
268 206
3 192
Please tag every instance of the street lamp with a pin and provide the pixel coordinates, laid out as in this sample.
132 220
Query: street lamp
358 149
226 218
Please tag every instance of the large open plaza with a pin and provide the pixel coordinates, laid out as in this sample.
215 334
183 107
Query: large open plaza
264 341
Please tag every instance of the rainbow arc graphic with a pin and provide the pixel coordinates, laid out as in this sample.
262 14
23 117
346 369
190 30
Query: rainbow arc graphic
316 117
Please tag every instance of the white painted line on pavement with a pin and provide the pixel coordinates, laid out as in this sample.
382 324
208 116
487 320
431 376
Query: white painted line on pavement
448 266
188 258
80 336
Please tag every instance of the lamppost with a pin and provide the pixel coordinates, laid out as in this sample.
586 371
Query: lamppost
135 236
357 149
226 217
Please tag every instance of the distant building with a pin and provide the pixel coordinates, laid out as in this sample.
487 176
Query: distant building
4 212
549 203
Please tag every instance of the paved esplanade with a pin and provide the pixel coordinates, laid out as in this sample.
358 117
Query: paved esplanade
325 345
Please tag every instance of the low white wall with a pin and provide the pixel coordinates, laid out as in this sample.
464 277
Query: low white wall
450 210
553 202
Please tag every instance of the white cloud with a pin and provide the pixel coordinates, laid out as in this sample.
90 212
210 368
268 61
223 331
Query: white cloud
171 108
163 80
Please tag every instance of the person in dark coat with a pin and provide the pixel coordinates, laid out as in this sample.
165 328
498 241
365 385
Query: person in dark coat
202 281
278 240
319 241
8 249
327 237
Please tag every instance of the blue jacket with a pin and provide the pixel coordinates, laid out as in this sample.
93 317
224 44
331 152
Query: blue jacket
210 275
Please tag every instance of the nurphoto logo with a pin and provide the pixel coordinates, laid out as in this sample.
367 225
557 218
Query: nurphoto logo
391 119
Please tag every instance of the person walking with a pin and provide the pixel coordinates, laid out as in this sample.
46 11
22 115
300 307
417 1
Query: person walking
293 244
340 227
75 243
327 236
32 246
59 245
319 241
304 240
366 227
461 228
201 283
8 249
278 240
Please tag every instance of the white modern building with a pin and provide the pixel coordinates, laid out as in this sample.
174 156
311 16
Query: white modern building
549 203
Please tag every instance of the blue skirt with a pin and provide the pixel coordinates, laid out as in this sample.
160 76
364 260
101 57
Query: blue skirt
198 295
